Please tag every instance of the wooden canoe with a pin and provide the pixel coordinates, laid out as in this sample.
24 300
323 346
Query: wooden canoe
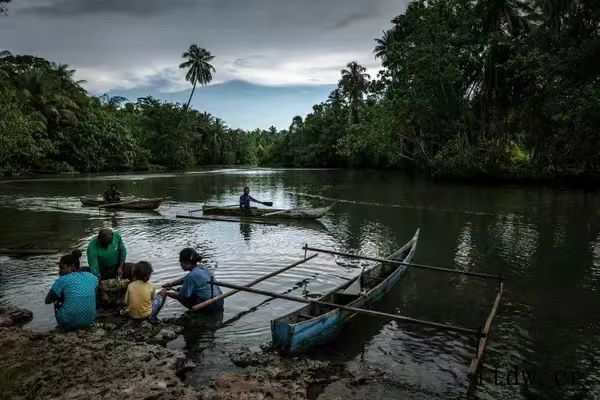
312 325
125 204
292 213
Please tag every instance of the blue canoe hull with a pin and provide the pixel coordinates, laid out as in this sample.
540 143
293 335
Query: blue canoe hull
311 326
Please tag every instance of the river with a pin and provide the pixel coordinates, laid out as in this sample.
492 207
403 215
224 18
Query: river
544 241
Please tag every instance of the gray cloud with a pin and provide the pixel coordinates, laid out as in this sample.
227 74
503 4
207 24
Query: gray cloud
354 17
127 7
134 43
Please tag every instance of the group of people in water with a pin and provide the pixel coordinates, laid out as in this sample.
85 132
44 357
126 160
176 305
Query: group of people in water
75 293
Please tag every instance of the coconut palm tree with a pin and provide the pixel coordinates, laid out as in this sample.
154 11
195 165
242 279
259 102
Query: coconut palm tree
51 104
354 84
383 45
507 16
199 68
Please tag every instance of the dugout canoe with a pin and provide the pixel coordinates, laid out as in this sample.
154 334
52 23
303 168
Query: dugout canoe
292 213
313 324
125 204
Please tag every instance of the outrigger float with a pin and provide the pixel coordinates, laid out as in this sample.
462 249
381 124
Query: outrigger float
322 319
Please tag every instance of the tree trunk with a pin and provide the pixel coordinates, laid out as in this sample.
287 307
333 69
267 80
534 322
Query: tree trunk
187 106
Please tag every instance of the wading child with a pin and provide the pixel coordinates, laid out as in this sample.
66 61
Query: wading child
196 287
73 294
141 297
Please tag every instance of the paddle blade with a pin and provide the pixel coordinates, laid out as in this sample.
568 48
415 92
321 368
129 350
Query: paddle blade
268 203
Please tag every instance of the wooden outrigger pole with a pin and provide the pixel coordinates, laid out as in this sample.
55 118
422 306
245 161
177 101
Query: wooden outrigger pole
373 313
482 342
213 300
412 265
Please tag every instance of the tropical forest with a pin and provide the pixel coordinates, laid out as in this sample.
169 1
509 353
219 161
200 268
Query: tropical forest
487 88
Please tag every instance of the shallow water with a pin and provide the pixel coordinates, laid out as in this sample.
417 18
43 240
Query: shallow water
545 241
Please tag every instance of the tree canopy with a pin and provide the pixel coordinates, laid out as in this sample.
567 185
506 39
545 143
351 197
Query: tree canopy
467 88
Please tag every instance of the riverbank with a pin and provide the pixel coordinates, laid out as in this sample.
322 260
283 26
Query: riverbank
130 361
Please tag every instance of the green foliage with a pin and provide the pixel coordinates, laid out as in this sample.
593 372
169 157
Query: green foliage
492 87
48 122
22 137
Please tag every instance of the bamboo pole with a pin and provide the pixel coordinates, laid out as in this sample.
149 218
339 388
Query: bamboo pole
386 260
482 343
346 308
254 282
226 220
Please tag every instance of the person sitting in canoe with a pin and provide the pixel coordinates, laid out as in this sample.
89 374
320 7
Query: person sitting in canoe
112 195
196 287
106 254
245 200
73 294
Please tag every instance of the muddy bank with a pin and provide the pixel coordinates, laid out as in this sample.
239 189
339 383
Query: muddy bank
87 364
129 360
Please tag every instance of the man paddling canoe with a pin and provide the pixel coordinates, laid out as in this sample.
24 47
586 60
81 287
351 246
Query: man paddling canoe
245 200
112 195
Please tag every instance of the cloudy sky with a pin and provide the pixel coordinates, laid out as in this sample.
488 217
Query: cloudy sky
276 56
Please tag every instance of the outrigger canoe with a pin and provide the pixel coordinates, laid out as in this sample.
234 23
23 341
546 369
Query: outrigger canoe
292 213
314 324
128 204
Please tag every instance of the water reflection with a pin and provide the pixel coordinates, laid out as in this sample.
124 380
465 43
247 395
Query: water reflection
545 241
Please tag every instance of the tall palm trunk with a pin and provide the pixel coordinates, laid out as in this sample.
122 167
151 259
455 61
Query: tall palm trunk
187 106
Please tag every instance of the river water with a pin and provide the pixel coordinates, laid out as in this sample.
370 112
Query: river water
544 241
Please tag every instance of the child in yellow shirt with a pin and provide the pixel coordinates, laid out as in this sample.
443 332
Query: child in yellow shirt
141 297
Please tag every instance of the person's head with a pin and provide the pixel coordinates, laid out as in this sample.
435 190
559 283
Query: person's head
142 271
189 258
105 237
246 190
69 263
113 187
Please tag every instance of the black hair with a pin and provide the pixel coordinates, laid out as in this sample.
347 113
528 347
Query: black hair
72 259
142 271
189 255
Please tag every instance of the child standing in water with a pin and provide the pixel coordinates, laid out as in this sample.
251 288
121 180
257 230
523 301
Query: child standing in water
73 294
141 297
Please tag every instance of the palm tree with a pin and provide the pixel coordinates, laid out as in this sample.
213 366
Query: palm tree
507 16
219 128
52 105
199 68
384 45
354 84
